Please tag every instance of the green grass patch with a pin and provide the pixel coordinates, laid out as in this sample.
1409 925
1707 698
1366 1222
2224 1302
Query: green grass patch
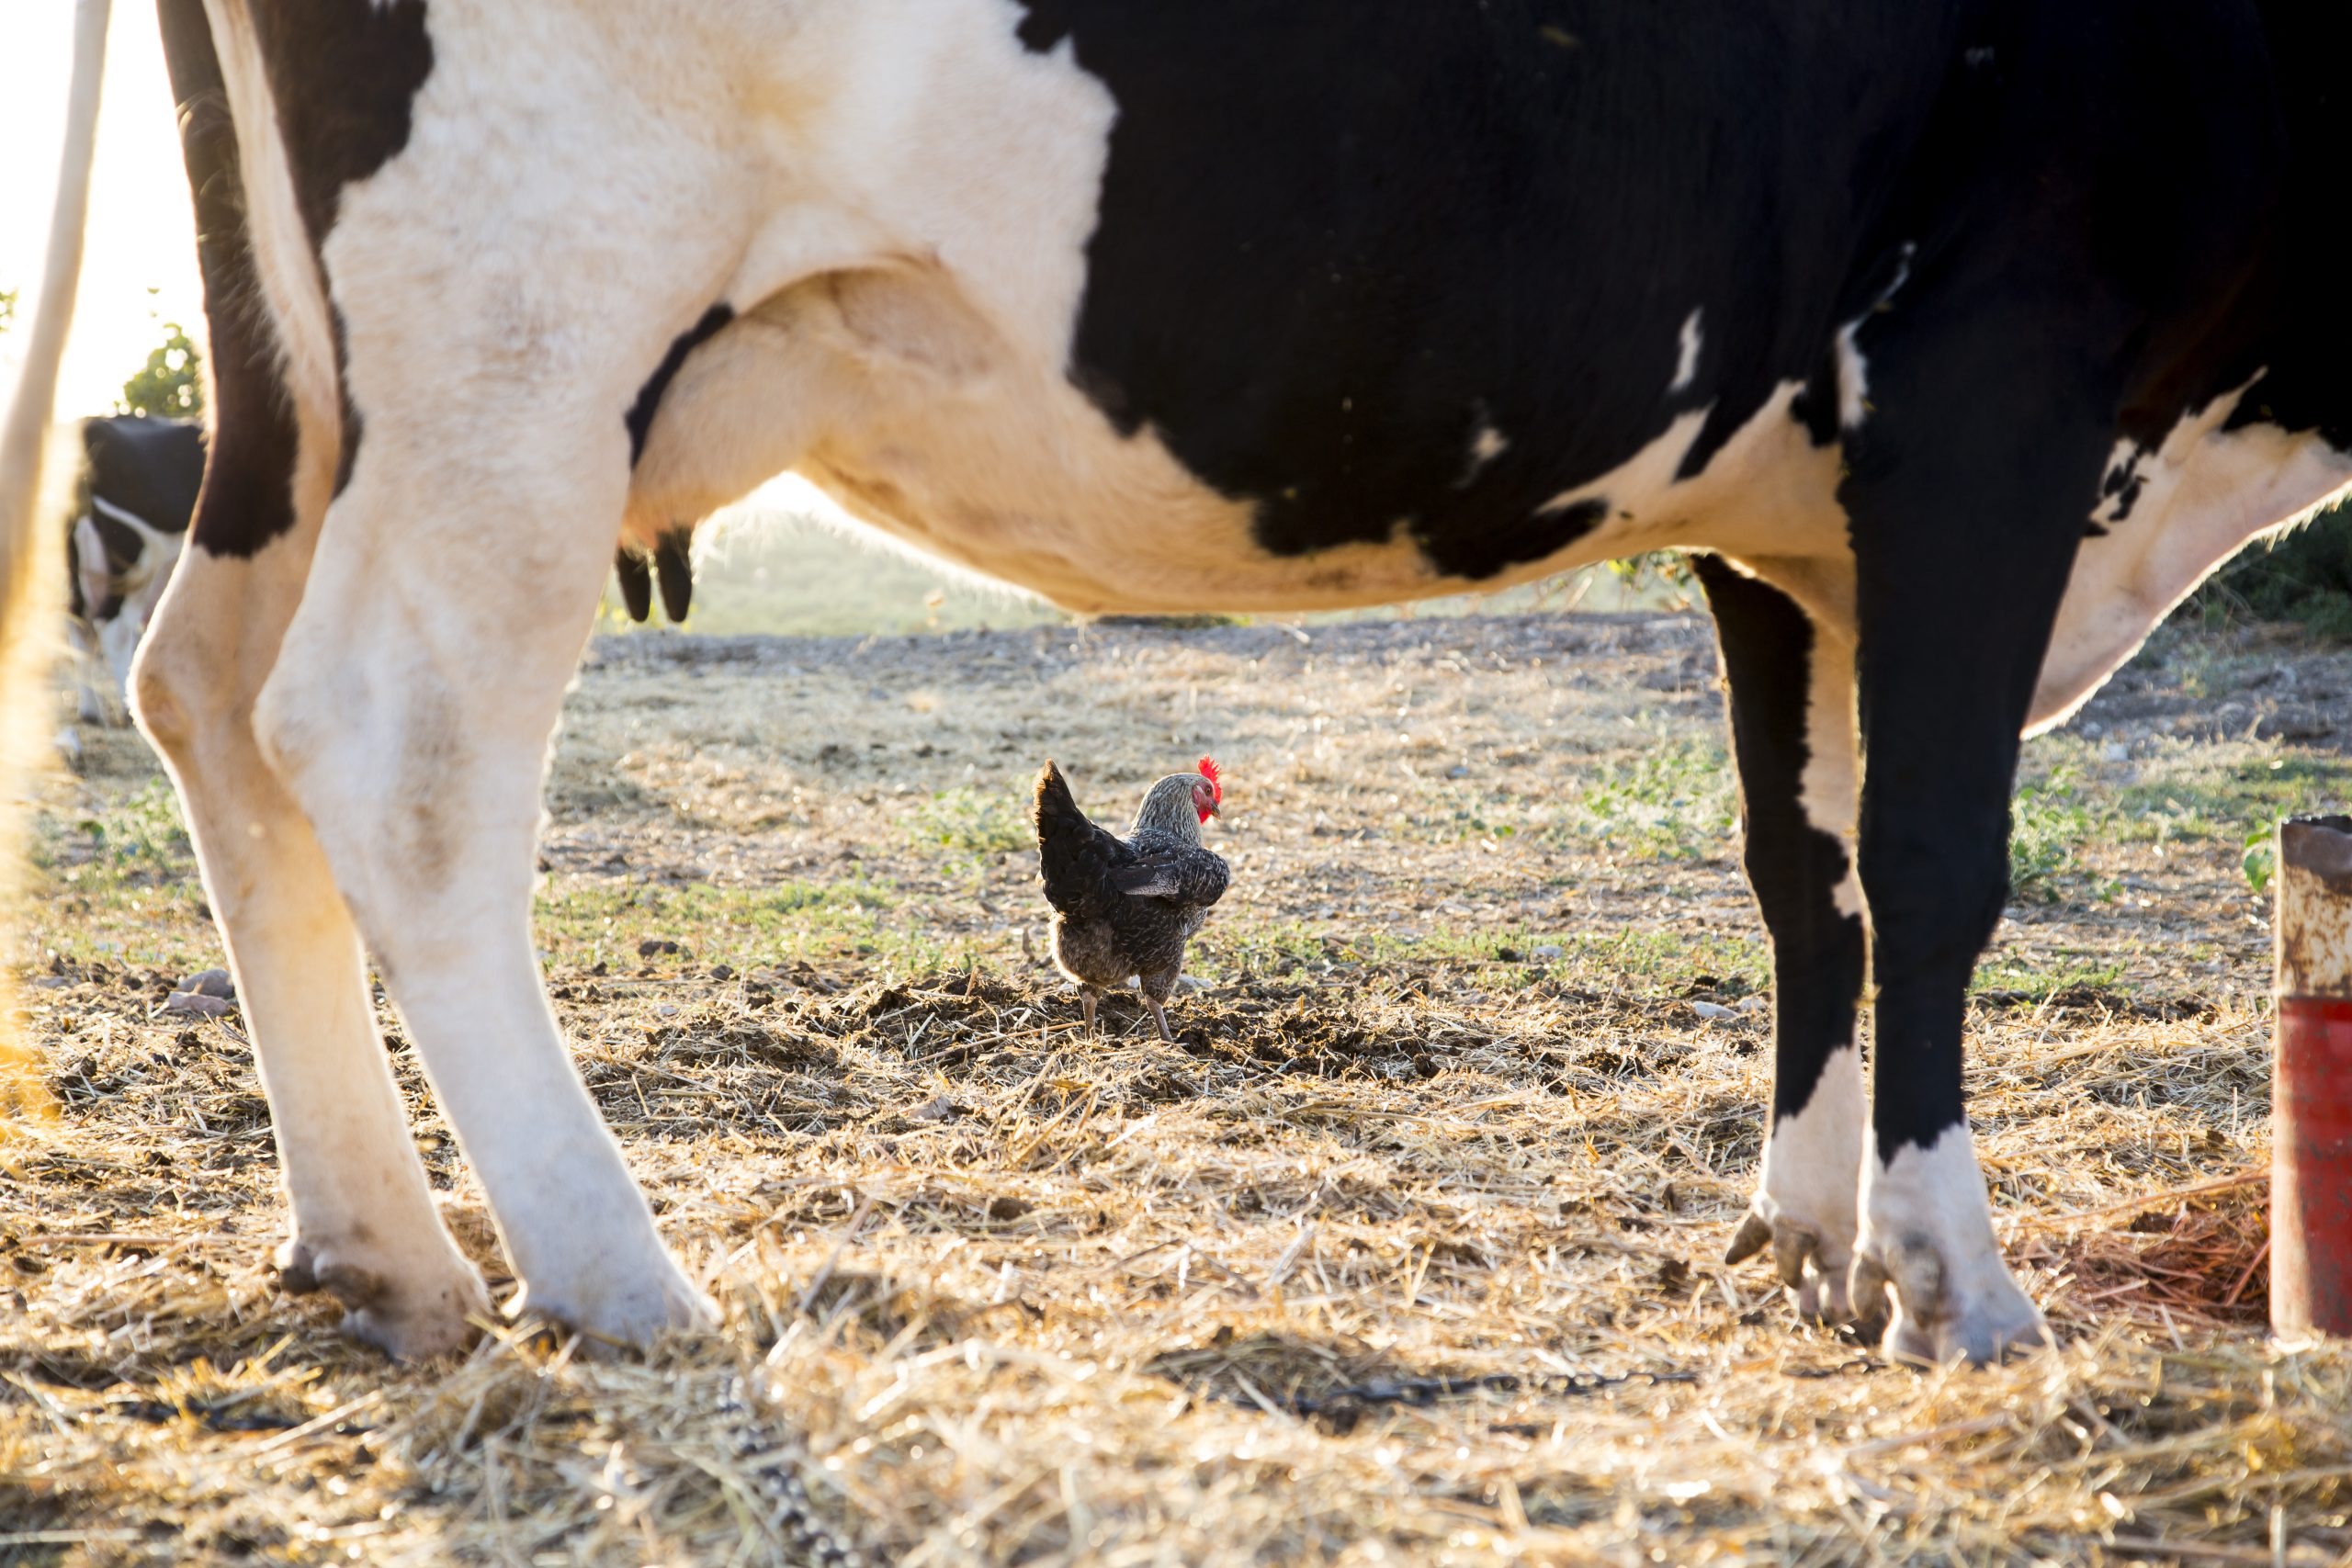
2226 803
2039 980
126 874
1646 959
971 822
1676 801
2050 820
740 925
2303 576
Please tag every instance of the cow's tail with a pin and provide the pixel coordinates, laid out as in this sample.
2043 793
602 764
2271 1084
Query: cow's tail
29 571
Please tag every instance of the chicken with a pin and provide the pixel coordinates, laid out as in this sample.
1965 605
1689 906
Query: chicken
1124 909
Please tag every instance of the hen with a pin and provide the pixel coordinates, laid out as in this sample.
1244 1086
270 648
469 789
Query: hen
1124 909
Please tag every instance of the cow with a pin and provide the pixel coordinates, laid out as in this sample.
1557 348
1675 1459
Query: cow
1959 339
132 501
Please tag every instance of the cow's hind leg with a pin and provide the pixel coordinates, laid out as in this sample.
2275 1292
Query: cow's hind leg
1967 491
1791 687
412 715
364 1224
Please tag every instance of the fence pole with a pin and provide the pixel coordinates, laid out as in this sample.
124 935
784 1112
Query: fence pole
2310 1124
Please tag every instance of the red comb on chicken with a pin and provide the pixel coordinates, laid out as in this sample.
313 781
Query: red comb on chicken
1124 909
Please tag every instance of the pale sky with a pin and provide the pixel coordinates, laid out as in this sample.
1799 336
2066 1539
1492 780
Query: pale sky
140 233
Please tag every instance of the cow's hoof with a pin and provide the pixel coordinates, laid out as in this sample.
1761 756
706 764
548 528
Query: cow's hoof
1945 1309
411 1314
1813 1260
620 1310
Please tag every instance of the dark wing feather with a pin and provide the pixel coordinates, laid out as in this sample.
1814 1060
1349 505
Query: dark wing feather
1077 861
1191 875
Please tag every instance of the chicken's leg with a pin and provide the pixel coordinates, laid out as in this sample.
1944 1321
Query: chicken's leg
1087 999
1159 1017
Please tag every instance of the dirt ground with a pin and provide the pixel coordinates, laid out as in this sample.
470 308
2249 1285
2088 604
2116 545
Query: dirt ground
1406 1250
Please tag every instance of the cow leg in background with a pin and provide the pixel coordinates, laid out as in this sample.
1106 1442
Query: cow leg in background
1791 690
364 1226
1969 485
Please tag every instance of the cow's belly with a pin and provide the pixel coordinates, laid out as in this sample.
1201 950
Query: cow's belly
1046 496
2169 517
933 428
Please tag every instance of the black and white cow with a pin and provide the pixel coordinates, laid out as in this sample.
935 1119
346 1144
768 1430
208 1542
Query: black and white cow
131 505
1963 336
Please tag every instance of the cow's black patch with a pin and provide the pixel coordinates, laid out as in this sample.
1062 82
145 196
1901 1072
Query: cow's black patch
1042 33
640 418
1319 251
1491 549
247 498
149 467
345 74
1815 405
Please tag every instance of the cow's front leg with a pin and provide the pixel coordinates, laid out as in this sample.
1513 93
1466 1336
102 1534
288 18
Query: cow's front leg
1968 484
1793 729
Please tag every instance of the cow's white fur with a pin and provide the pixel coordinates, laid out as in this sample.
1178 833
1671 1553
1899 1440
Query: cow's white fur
1927 1232
2206 491
1810 1185
897 198
1829 788
1485 446
141 589
1686 358
289 276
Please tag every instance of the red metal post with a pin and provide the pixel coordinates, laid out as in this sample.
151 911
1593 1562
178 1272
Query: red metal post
2310 1123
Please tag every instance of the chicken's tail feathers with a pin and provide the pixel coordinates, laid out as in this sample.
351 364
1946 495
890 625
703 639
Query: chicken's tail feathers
1067 862
1053 805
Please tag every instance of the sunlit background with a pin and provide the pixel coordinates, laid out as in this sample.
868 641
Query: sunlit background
140 269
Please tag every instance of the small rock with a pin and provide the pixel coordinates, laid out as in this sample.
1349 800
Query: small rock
209 983
2116 751
1458 771
722 972
1508 954
198 1003
1549 952
1714 1012
655 947
666 1009
943 1109
1757 1003
1190 983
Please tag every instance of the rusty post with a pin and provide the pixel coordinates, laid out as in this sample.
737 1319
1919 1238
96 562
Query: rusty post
2311 1121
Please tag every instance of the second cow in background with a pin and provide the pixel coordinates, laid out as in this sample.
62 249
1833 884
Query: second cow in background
131 506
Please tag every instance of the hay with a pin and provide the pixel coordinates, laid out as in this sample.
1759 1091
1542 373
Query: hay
1402 1253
